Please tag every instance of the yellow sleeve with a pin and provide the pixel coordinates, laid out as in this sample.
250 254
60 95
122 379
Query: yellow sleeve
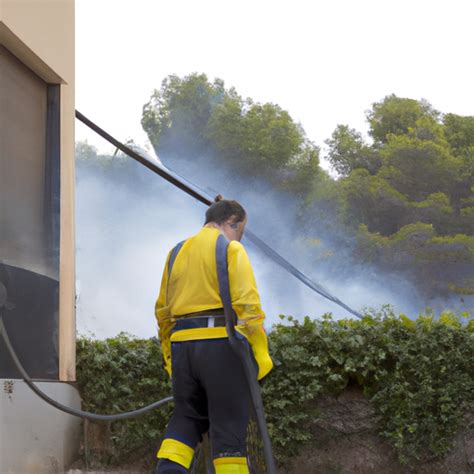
246 304
163 317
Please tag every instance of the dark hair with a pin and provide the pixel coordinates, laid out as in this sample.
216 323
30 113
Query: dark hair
223 209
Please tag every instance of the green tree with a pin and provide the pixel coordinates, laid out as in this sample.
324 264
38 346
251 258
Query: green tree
409 196
396 115
192 116
303 173
418 168
348 151
176 116
442 264
459 132
261 138
415 209
272 139
371 200
225 129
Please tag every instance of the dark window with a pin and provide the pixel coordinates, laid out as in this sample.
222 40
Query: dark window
29 216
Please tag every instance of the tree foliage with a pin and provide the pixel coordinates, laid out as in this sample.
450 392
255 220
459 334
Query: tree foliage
176 116
396 116
348 152
192 117
417 174
418 171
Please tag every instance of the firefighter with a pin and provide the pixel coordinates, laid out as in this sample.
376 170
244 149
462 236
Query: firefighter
209 386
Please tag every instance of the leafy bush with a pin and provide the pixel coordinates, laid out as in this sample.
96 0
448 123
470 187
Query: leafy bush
418 374
122 374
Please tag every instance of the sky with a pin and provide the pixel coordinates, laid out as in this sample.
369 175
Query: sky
323 62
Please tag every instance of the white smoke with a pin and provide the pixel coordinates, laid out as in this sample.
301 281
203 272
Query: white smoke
128 219
124 231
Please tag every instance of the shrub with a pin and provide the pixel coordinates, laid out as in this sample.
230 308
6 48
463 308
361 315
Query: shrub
418 374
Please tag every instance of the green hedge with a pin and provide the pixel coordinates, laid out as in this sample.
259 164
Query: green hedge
122 374
419 375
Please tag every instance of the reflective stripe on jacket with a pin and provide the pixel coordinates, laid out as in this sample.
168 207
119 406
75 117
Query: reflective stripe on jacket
193 287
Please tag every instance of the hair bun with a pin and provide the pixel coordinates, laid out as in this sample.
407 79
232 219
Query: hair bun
218 198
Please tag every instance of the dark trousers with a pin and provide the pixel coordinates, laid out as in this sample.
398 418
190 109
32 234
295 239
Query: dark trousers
210 394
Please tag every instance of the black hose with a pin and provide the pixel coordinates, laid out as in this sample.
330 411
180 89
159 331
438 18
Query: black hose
194 191
241 348
71 411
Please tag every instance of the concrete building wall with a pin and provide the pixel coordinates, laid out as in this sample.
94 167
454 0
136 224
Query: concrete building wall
36 438
40 33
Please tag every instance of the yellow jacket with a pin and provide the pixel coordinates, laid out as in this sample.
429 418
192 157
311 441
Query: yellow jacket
193 286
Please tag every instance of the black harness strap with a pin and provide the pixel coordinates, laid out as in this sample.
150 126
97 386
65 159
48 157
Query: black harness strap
223 276
174 254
